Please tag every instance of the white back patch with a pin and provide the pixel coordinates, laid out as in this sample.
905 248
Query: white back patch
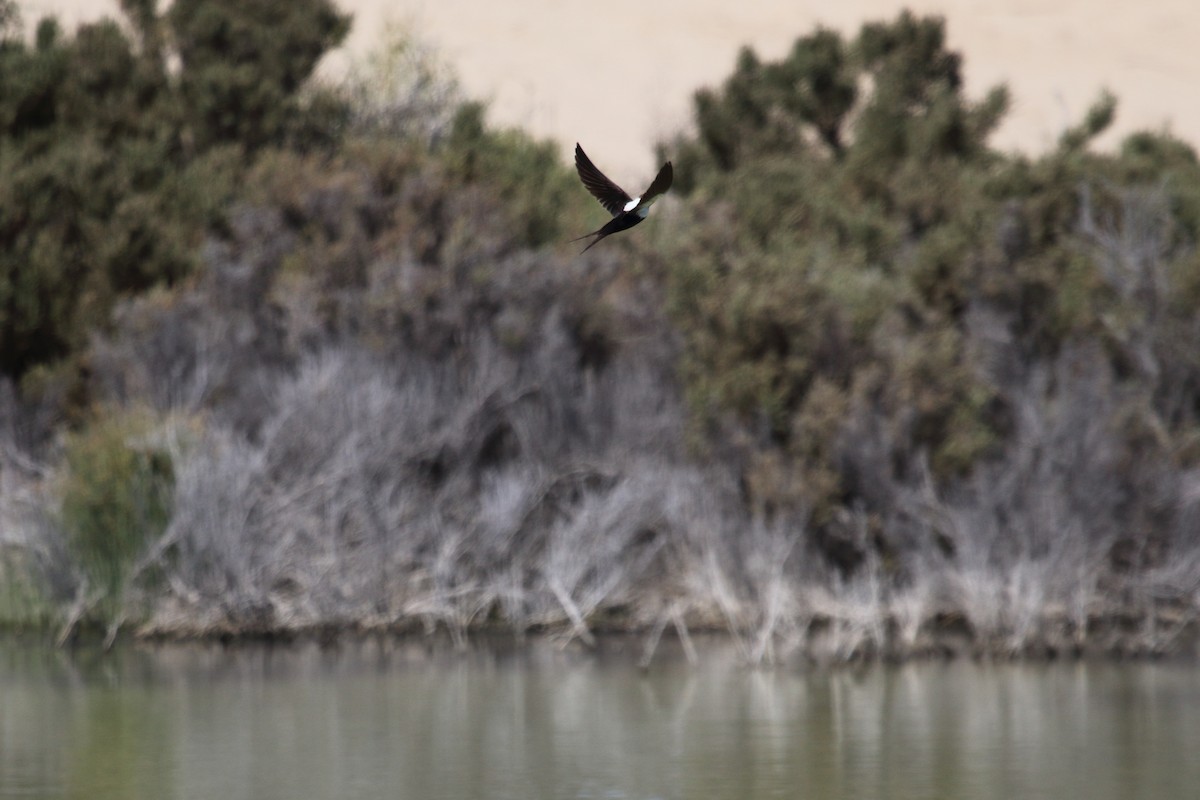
632 204
644 211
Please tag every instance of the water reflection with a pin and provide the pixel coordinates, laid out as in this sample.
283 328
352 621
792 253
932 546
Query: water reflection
406 719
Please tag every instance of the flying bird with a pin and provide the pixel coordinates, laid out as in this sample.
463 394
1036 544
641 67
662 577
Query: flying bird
626 211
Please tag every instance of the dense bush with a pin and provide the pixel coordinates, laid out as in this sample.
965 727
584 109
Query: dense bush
407 414
848 225
243 66
116 498
866 379
113 165
541 197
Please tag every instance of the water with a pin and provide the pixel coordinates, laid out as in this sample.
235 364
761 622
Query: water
387 719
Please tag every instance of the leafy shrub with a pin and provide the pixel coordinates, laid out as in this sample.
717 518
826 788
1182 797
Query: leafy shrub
116 497
242 66
526 175
24 601
113 166
848 222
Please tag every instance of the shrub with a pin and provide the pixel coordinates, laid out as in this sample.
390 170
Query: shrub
113 164
242 66
925 378
24 600
852 174
116 498
537 192
846 223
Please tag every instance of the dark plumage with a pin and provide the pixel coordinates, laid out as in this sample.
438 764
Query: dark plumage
626 211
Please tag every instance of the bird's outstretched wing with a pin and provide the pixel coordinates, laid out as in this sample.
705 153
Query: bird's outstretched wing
660 184
611 196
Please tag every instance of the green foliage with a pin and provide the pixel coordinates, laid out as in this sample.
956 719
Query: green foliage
243 65
527 176
851 173
1098 118
116 497
442 243
845 213
113 163
24 603
121 147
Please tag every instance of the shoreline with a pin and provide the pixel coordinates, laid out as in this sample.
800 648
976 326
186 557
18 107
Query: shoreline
1170 634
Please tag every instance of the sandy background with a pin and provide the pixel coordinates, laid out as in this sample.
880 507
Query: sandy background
618 75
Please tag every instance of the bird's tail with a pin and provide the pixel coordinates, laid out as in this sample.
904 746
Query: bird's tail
591 244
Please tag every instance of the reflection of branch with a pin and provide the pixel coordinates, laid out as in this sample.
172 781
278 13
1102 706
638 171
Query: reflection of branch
83 603
673 616
578 626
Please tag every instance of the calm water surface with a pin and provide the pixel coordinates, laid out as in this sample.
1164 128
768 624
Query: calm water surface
407 720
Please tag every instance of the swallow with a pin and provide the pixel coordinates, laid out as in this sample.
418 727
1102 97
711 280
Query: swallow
626 211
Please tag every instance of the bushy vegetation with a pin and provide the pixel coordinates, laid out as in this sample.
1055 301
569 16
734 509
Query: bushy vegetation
865 382
115 164
859 263
116 498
